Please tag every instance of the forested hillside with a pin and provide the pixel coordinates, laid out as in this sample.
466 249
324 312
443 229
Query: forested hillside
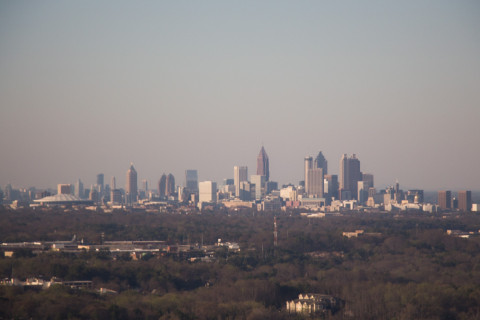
402 267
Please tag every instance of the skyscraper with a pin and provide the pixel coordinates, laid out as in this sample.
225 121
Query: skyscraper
259 182
131 186
314 175
362 189
94 196
349 176
263 164
321 162
100 182
116 196
315 182
79 191
113 184
207 191
166 186
368 179
240 173
308 164
245 191
332 184
343 181
170 185
445 199
191 180
64 189
465 200
162 186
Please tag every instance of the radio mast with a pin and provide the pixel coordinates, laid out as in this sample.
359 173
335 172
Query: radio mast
275 233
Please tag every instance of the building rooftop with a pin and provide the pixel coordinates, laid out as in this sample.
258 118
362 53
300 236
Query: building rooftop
63 199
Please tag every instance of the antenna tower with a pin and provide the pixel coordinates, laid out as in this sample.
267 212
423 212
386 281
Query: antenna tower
275 233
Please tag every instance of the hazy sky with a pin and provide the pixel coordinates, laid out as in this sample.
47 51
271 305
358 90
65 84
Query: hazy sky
90 86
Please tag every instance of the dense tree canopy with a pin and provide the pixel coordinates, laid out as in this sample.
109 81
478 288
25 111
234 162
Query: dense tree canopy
403 267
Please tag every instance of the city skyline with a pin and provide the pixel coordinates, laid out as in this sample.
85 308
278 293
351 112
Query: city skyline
88 87
166 183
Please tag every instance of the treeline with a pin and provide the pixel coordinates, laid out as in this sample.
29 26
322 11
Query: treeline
406 268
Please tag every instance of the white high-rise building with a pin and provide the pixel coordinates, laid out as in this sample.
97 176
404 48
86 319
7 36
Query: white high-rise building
207 191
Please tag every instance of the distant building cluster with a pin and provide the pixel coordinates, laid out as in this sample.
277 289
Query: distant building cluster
134 249
45 284
313 303
319 191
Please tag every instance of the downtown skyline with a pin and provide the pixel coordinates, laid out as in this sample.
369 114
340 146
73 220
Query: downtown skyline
89 87
179 180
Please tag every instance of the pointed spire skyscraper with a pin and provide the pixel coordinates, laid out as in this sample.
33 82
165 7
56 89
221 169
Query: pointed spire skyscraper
263 165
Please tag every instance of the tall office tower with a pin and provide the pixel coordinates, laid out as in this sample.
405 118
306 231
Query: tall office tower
260 183
270 186
8 194
362 189
349 176
131 186
113 184
100 182
445 199
228 182
315 182
343 175
368 179
308 164
321 162
170 186
181 194
116 196
145 185
332 182
106 193
454 203
191 180
162 186
94 196
79 192
245 191
465 200
263 164
207 191
240 173
64 189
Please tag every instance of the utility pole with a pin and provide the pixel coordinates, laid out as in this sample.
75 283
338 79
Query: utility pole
275 233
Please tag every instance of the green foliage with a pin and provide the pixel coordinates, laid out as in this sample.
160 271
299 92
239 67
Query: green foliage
410 270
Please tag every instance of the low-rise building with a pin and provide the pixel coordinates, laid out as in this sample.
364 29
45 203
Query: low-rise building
354 234
311 303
